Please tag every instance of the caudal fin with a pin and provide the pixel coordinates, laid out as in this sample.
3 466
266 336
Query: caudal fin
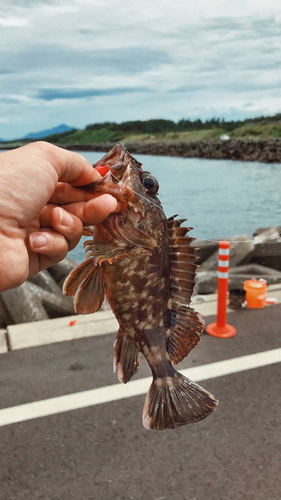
175 401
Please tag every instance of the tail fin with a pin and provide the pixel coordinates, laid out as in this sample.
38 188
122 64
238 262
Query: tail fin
175 401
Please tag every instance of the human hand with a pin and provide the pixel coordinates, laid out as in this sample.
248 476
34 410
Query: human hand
41 211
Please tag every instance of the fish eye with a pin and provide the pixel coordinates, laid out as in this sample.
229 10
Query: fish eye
149 182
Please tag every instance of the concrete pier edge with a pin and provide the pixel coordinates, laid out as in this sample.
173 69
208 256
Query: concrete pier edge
50 331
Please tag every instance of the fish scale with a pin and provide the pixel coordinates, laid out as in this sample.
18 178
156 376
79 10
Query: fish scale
144 264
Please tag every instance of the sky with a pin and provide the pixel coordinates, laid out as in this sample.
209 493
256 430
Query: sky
88 61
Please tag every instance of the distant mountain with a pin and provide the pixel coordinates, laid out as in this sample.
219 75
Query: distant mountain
44 133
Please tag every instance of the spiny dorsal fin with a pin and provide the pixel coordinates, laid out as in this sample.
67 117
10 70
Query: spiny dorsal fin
185 325
88 230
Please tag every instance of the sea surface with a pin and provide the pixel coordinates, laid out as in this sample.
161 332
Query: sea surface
219 198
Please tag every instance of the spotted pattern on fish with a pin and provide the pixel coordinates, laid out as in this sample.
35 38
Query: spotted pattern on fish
144 264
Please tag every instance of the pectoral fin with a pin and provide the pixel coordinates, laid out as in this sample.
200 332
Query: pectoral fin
84 282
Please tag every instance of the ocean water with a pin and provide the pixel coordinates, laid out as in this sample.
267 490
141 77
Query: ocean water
219 198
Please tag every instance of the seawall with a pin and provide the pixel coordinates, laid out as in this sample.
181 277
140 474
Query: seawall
263 150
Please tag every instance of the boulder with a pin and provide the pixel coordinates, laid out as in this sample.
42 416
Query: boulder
257 271
5 317
207 282
240 252
61 270
30 302
45 281
204 249
268 254
264 234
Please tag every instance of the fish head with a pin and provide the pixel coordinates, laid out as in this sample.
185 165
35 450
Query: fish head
137 186
136 189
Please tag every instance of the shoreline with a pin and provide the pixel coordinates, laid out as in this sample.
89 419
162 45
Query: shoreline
267 150
262 150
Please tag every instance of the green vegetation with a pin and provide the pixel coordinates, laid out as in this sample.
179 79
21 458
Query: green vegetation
101 134
195 135
13 144
259 130
160 130
138 126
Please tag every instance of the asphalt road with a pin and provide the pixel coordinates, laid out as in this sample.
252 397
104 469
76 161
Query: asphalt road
103 453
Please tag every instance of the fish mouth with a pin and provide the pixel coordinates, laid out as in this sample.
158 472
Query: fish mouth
120 171
119 161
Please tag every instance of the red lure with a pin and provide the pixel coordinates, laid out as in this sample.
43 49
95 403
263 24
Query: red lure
102 169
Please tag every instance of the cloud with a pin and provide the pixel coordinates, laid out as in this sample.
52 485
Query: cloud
10 99
49 94
253 86
12 21
190 88
136 60
6 71
27 4
127 60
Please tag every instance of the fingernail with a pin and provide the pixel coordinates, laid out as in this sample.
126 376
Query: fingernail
114 203
65 218
38 240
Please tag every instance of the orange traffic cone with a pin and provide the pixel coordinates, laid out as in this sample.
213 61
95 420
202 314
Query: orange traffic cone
221 328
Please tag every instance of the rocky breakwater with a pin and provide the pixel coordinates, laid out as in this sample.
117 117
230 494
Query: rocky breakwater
263 150
250 258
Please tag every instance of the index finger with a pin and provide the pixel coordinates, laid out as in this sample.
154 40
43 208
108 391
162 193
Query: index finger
66 193
70 167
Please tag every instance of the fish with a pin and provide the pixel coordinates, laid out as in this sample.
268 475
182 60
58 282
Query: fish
144 264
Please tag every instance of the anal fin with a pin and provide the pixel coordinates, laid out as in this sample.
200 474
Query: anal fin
126 354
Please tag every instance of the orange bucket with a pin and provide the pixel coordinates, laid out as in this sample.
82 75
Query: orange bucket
255 293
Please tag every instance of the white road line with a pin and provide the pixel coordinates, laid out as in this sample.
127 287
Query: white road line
115 392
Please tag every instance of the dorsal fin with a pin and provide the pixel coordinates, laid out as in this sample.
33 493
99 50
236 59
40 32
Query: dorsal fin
185 324
182 265
88 231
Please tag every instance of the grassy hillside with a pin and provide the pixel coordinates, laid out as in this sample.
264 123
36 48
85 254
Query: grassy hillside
265 130
160 130
105 133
